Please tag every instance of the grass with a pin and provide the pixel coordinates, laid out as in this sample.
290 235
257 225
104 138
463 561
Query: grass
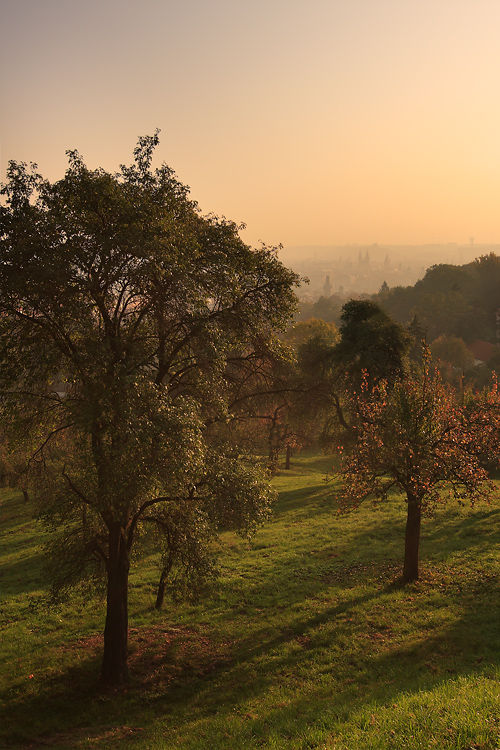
309 641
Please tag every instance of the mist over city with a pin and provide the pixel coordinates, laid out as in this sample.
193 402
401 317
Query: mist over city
356 269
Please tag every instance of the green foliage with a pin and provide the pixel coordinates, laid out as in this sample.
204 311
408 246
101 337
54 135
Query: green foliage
460 301
302 332
284 416
486 272
453 358
328 308
325 308
398 302
452 350
493 362
371 342
450 313
370 345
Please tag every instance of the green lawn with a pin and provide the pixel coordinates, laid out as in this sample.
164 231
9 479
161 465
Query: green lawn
309 641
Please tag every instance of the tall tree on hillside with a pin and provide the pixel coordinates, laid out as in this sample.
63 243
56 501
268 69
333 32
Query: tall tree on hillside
131 332
283 417
450 313
370 345
295 421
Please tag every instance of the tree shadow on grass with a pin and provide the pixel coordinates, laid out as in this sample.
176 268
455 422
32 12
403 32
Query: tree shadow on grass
373 668
23 576
388 672
307 462
384 664
191 675
478 528
53 703
316 602
310 501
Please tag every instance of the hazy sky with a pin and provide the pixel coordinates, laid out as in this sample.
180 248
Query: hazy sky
313 121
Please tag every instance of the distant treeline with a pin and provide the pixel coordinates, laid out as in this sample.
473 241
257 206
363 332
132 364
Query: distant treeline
460 301
448 303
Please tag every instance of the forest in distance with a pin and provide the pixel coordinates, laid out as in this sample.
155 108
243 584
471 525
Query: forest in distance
453 306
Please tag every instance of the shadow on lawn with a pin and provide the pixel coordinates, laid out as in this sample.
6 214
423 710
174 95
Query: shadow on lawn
193 685
22 576
387 671
309 501
370 553
382 668
188 676
477 528
195 673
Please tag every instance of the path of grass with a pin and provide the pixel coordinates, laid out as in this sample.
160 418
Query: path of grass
309 642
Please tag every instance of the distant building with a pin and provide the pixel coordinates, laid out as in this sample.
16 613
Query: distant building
482 351
327 288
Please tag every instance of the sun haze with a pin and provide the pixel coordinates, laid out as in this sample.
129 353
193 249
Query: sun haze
319 122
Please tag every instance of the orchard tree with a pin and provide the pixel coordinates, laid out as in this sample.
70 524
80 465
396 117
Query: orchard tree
281 416
277 417
131 330
369 346
455 361
416 438
303 331
292 420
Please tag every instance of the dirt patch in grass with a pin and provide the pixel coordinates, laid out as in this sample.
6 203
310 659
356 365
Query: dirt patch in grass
159 655
161 658
89 735
90 644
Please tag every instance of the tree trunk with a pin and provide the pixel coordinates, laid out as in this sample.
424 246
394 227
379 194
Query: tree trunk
288 457
162 585
114 669
412 540
160 596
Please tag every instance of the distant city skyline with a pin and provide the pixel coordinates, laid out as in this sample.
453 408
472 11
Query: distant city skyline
362 269
318 122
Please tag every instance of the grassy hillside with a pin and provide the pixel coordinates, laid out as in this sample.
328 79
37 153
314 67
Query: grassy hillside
308 643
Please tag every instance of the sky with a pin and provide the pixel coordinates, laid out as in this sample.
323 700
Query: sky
314 122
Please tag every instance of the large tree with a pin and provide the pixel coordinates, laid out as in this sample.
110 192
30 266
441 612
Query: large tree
132 331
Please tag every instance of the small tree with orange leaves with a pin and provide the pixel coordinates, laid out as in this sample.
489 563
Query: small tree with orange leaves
417 438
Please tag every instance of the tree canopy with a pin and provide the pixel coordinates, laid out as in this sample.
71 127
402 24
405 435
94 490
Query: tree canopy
460 301
370 343
133 330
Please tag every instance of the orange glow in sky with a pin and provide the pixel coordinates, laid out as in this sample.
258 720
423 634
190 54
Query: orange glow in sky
313 121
